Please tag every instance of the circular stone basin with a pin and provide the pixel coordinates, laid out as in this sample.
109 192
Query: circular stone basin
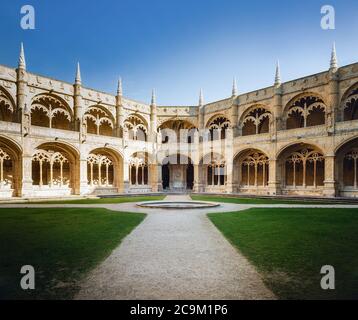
178 204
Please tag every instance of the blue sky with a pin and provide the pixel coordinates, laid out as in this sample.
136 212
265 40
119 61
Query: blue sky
178 46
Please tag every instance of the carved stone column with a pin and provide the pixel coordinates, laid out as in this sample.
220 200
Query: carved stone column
159 178
196 186
27 189
276 122
119 111
153 119
330 185
274 178
196 155
153 169
77 102
125 171
84 187
229 157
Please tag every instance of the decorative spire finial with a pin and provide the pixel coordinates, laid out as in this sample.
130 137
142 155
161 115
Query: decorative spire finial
201 98
334 60
22 61
154 98
119 87
78 74
234 87
278 74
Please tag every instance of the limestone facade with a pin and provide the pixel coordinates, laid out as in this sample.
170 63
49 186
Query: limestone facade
293 138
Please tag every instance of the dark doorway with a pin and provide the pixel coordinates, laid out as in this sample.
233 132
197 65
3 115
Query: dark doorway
190 176
165 176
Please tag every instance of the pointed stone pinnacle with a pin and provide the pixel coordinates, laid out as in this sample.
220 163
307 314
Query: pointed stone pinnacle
78 74
234 88
22 61
278 74
154 98
119 87
201 98
334 60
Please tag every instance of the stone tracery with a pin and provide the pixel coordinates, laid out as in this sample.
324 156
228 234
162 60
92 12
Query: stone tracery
50 111
256 122
218 126
6 169
350 106
350 169
98 121
7 108
305 168
255 169
184 131
53 169
138 170
135 128
100 170
305 111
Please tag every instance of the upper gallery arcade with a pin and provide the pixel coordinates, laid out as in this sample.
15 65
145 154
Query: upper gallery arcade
292 138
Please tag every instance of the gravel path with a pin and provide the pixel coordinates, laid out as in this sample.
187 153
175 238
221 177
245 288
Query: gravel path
175 255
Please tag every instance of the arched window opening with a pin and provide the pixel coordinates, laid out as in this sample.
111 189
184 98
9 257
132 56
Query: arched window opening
255 170
6 171
350 171
350 106
100 170
135 129
99 121
305 168
50 168
51 112
218 127
216 175
138 170
177 131
7 110
256 122
305 112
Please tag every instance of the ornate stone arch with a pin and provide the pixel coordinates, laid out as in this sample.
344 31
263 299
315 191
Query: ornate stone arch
55 166
163 121
255 120
10 167
214 167
349 104
305 110
183 129
139 169
346 167
302 167
105 169
98 120
50 110
135 127
217 126
7 106
177 171
251 168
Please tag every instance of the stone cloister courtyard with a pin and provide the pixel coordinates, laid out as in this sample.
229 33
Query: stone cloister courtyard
278 165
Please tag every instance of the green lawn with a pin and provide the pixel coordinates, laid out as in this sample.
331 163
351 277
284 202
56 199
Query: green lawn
105 200
61 244
253 200
289 247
